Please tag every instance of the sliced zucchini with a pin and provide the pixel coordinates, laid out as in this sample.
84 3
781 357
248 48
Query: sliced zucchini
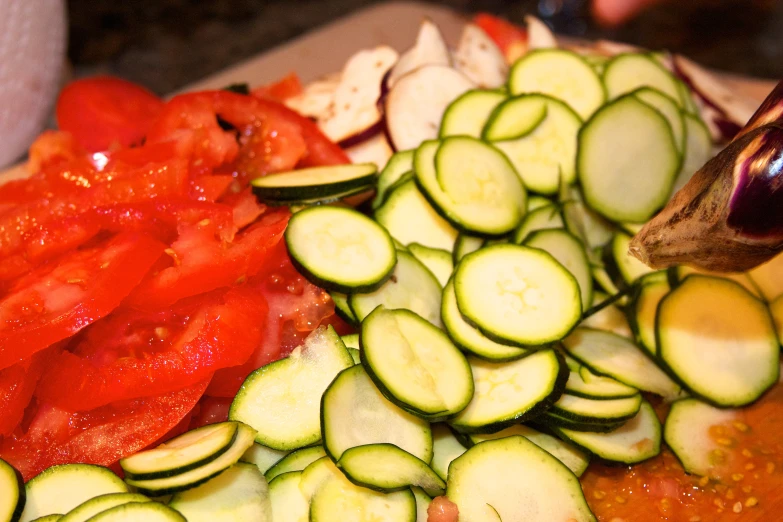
136 511
608 354
472 184
535 201
49 518
510 291
183 453
776 309
467 115
400 163
99 504
262 457
414 364
61 488
546 217
711 330
445 448
295 461
13 498
410 218
355 413
553 421
511 392
559 73
287 501
629 267
627 72
687 433
340 249
514 119
569 252
466 244
314 182
351 341
545 156
652 289
573 458
439 262
486 484
698 149
767 278
584 383
581 409
670 110
468 337
263 402
637 440
198 476
422 504
342 308
609 317
355 355
387 468
627 160
411 286
743 278
239 493
591 228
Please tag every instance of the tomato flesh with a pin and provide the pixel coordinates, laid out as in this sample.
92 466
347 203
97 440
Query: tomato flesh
510 38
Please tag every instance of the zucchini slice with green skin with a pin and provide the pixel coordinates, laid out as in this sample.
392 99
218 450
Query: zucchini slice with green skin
486 483
355 413
410 218
713 330
766 277
545 156
569 252
414 364
535 201
412 286
627 160
680 272
13 498
400 163
445 448
573 458
262 457
387 468
472 184
135 511
468 114
529 387
466 244
580 409
635 441
198 476
288 502
592 229
629 267
545 217
183 453
510 291
55 517
515 118
670 110
355 355
437 261
551 421
627 72
422 504
608 354
469 338
351 341
609 318
687 433
61 488
561 74
651 289
342 308
99 504
239 493
263 402
776 309
295 461
586 384
698 149
340 249
314 182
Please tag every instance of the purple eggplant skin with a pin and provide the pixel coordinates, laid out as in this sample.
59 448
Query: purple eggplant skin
729 216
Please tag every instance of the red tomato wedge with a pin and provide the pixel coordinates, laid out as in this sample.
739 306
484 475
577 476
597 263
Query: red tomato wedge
17 384
510 38
104 111
60 298
100 436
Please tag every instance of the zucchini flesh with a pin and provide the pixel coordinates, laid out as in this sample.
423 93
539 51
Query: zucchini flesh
466 244
545 217
342 308
239 493
627 160
686 432
262 457
340 249
99 504
645 310
776 309
422 504
414 364
314 182
592 229
263 402
698 149
627 72
669 110
437 261
574 459
637 440
711 330
561 74
629 267
135 511
295 461
515 118
59 489
445 448
767 278
400 163
286 499
355 413
467 115
510 291
597 410
553 421
387 468
609 318
584 383
508 393
486 484
13 499
743 278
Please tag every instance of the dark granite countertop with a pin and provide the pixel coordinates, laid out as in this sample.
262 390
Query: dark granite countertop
166 44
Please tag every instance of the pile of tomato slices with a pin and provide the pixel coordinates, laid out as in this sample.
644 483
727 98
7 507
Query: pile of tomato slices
140 280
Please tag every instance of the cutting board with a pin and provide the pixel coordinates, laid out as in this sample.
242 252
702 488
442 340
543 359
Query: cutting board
325 50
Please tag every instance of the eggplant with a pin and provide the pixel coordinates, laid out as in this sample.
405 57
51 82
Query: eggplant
729 216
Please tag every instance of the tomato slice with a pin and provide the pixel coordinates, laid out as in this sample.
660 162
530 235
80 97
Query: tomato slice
284 88
133 354
60 298
17 384
510 38
104 111
100 436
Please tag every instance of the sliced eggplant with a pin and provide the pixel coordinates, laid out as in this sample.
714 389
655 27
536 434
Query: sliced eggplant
430 49
316 99
479 58
375 149
539 35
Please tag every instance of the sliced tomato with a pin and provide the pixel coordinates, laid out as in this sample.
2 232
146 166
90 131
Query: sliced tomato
100 436
17 384
210 410
61 298
510 38
104 111
284 88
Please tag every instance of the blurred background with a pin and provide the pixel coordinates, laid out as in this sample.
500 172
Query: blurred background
165 44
